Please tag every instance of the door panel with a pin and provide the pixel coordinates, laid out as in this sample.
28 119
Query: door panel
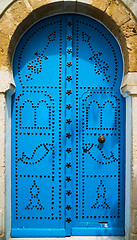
97 202
38 128
68 70
100 184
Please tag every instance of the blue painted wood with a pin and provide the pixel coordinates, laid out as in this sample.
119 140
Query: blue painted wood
28 232
98 183
68 70
102 231
69 51
38 130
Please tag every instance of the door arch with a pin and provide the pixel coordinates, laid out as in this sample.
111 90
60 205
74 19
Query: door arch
68 70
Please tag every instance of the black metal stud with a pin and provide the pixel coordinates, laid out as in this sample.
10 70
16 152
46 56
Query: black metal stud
69 64
68 92
68 121
68 135
68 207
68 165
68 150
69 24
69 37
68 192
68 220
69 50
68 178
69 78
68 106
84 150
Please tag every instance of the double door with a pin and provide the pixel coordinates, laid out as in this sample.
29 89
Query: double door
67 130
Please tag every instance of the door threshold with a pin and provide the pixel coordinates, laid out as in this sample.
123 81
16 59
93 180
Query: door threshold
75 238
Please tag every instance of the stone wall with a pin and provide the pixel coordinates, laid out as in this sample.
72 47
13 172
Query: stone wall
132 4
21 14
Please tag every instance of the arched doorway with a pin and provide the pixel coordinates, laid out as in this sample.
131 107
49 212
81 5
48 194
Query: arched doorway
67 130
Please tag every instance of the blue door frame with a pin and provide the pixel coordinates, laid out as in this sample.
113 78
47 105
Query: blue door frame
68 131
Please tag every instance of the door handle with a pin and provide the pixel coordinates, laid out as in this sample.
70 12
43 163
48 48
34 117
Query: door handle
101 139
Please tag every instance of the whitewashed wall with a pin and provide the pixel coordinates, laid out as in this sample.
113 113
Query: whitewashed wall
132 4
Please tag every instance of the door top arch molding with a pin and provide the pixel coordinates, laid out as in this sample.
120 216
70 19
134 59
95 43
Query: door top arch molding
19 15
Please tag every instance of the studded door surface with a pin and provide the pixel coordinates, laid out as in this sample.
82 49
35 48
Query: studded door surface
67 71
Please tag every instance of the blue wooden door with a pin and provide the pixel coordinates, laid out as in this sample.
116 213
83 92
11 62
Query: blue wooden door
66 180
